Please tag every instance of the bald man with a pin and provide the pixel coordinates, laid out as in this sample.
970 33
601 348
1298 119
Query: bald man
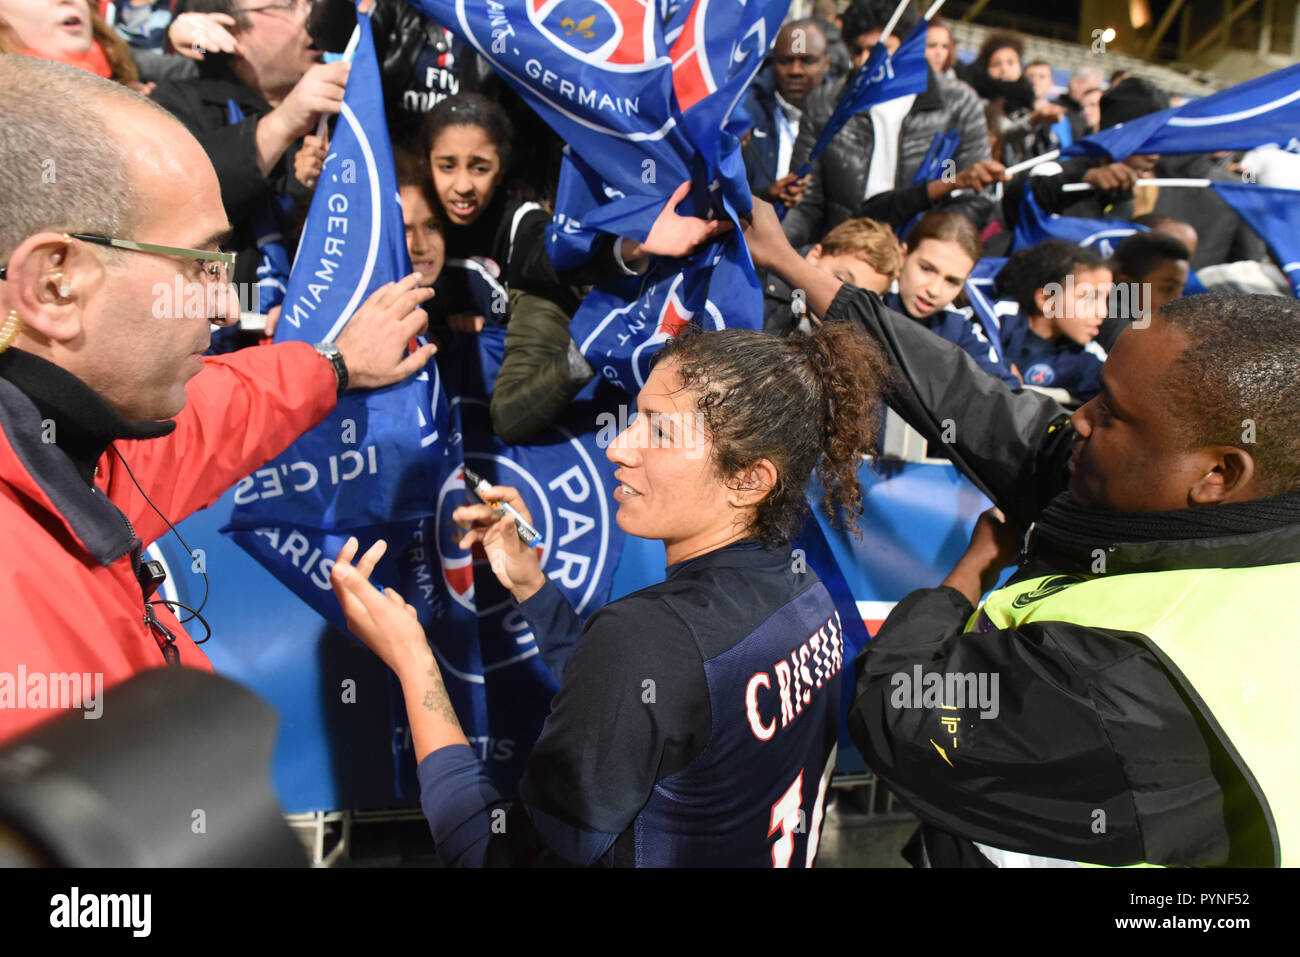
798 65
105 200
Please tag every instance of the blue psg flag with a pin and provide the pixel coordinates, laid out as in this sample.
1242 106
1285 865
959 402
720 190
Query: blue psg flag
641 114
1034 226
883 77
380 463
1274 213
985 306
566 481
942 149
1259 111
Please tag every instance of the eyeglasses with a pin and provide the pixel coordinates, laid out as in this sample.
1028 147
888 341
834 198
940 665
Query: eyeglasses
282 5
216 264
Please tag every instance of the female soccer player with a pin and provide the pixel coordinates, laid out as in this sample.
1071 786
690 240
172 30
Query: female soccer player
696 719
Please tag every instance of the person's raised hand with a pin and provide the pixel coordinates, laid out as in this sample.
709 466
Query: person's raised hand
309 160
382 620
320 91
673 234
195 34
272 320
1046 114
994 544
515 564
787 190
980 174
1112 177
374 342
764 236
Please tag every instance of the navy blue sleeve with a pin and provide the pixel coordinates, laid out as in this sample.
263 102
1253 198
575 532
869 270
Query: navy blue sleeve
633 708
555 626
458 801
472 826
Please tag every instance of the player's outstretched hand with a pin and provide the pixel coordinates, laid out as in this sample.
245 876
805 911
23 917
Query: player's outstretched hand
516 565
383 620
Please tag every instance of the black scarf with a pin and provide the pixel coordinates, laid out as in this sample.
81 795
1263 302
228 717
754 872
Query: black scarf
1073 531
84 425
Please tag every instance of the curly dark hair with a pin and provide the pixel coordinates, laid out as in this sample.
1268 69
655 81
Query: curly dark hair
810 400
1029 270
995 41
864 16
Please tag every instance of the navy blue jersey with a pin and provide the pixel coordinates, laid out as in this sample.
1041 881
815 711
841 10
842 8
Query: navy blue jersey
963 330
695 725
1060 363
754 796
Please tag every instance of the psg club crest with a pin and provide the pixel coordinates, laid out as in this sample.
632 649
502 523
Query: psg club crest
1039 374
614 34
569 499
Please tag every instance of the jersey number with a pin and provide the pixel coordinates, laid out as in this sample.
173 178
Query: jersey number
787 817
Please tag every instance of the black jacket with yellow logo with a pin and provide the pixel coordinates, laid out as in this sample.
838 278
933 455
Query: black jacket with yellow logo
1093 745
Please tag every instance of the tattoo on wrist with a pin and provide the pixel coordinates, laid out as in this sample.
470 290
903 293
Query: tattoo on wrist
436 700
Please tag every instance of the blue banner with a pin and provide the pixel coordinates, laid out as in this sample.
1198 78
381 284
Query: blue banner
641 114
1034 226
380 464
1274 213
941 152
1259 111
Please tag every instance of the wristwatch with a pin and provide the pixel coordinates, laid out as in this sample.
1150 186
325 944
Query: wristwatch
331 352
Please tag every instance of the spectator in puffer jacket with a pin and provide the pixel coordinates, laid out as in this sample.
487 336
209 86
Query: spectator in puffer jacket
882 148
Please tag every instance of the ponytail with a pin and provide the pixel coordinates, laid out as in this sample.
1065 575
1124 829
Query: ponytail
811 400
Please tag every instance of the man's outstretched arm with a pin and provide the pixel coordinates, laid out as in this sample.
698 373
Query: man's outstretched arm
1013 445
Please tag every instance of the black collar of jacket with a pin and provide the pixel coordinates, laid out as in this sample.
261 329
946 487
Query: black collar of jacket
36 395
932 97
1262 532
223 85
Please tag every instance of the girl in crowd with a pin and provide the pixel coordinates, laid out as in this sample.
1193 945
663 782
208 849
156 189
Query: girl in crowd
696 719
1062 290
938 255
503 274
469 142
940 48
68 31
1019 122
424 239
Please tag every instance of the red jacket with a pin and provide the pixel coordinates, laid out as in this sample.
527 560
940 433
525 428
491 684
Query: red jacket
69 598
